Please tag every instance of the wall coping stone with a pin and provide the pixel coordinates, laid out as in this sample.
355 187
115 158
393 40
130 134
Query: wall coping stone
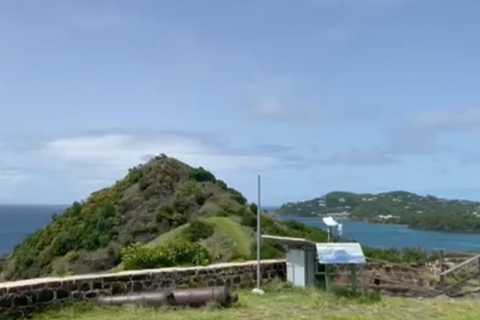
87 277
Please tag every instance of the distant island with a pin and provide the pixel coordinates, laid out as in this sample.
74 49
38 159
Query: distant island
399 207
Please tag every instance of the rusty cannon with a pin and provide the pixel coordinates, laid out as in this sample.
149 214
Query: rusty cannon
185 297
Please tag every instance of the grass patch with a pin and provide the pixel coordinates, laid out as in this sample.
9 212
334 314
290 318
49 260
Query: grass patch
283 302
168 236
235 231
229 229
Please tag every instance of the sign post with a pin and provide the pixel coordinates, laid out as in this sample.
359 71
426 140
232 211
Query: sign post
257 290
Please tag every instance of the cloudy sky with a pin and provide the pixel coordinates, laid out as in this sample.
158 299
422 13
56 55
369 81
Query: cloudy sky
316 95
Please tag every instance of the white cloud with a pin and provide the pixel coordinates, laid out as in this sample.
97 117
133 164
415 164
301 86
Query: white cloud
276 98
446 120
114 153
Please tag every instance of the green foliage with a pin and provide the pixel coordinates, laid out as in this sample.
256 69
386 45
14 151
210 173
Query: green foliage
268 250
198 230
253 208
359 297
201 175
222 184
405 255
416 211
173 253
135 174
72 256
249 219
80 227
237 196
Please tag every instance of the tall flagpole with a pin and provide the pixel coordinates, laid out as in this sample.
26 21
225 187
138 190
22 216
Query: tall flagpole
259 210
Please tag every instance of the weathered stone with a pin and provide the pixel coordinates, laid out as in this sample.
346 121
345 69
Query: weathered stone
48 293
20 301
110 278
97 284
135 286
12 290
32 297
62 294
139 277
74 286
91 295
123 279
118 288
45 295
55 284
6 301
39 286
86 286
77 295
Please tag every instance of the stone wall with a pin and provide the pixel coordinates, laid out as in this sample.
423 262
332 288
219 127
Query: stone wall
393 279
22 298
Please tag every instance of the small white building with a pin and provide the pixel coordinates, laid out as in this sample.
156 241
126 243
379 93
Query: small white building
301 260
304 256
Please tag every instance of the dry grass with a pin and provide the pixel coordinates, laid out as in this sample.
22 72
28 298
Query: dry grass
288 304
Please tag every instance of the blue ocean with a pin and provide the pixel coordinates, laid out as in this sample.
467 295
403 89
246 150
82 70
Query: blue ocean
18 221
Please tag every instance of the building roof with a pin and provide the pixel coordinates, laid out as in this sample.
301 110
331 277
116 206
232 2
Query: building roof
330 222
294 243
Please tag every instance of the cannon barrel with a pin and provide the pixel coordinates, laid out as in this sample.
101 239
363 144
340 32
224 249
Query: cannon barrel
183 297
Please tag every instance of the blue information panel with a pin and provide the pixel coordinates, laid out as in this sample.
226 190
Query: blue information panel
340 253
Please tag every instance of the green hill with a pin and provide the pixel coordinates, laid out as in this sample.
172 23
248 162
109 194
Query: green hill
423 212
156 204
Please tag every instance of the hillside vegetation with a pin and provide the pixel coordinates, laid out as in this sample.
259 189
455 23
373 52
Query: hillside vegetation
163 212
423 212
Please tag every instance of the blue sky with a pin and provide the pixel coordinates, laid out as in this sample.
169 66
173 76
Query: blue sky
316 95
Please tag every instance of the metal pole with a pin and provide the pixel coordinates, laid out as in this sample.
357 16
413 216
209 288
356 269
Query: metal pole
259 210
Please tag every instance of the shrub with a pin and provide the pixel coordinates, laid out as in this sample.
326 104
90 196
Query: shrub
201 175
222 184
176 252
268 250
253 208
198 230
72 256
134 174
165 213
249 219
237 196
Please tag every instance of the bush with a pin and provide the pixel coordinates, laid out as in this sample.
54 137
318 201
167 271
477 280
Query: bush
173 253
198 230
237 196
72 256
165 213
253 208
222 184
268 250
201 175
134 174
249 219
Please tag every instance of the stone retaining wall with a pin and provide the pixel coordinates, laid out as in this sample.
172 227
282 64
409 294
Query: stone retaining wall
392 279
22 298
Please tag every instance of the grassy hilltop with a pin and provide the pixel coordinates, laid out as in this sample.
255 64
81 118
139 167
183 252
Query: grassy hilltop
161 213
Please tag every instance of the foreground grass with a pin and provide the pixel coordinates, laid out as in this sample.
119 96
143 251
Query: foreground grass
286 304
